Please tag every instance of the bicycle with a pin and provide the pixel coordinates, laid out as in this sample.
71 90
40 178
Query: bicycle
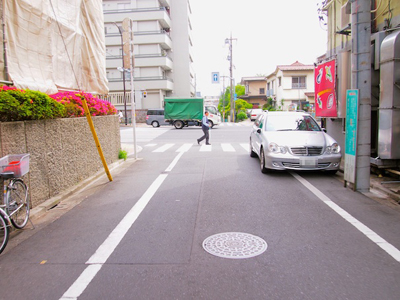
15 207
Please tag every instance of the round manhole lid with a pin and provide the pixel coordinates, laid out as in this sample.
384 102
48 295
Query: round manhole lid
234 245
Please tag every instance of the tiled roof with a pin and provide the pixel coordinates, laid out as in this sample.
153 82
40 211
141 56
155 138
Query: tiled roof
255 78
297 66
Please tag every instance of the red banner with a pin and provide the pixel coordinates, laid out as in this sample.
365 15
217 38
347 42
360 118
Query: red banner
325 95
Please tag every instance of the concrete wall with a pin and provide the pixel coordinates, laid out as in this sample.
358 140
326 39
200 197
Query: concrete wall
62 151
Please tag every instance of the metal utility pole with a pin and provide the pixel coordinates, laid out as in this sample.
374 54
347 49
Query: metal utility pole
223 97
123 74
361 80
129 60
230 58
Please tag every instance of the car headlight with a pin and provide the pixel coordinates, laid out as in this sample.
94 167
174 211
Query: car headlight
275 148
333 149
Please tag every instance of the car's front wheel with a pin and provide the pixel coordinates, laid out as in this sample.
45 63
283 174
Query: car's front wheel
264 170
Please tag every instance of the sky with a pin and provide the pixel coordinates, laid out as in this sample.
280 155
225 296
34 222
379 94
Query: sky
268 33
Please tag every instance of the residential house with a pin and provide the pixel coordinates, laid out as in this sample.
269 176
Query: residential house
162 49
292 86
255 90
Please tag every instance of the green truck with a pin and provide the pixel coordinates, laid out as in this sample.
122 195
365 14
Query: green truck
182 112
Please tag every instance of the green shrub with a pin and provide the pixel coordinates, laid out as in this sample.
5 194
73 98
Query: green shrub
122 154
19 105
241 116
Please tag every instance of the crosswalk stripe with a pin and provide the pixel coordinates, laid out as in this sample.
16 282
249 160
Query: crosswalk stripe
205 148
164 148
184 148
245 147
227 147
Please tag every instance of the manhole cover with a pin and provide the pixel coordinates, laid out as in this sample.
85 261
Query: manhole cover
234 245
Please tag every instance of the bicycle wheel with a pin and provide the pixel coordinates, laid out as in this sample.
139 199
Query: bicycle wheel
3 233
18 203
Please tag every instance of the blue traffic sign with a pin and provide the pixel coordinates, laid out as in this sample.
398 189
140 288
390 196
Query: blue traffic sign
215 77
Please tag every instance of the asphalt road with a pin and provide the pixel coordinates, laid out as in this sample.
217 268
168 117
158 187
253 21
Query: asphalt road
141 236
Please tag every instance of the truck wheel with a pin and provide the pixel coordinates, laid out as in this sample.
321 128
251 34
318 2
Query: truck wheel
155 124
178 124
211 123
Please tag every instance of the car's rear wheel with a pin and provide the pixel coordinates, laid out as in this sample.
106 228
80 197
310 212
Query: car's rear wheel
264 170
178 124
252 153
155 124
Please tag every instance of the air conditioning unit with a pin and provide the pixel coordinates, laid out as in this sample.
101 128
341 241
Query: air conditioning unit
345 15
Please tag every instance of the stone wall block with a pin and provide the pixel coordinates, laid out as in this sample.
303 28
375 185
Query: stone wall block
38 171
62 151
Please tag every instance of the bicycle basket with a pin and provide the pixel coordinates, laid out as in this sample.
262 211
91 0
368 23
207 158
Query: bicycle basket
16 163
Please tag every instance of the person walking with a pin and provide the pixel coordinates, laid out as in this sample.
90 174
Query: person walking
205 126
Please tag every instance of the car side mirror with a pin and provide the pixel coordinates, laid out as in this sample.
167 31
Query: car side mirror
259 130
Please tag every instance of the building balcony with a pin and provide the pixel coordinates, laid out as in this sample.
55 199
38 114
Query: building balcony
143 38
140 14
153 61
141 83
114 62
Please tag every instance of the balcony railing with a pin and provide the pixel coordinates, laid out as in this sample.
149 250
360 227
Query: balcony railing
117 98
128 10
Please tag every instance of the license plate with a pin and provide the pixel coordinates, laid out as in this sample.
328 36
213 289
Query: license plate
308 162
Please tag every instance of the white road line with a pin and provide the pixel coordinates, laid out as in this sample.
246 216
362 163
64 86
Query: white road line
164 148
98 259
246 147
205 148
150 145
227 147
229 124
389 248
184 148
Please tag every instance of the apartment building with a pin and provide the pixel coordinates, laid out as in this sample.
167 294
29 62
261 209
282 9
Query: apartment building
292 86
255 90
162 49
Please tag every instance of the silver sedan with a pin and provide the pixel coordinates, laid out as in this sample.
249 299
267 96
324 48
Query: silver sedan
293 141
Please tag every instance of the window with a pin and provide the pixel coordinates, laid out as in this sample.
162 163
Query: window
279 81
262 91
299 82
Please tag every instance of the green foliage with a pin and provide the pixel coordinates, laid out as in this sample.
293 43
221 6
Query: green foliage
240 90
20 105
122 154
269 105
241 116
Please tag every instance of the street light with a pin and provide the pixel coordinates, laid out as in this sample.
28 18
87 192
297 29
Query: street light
123 73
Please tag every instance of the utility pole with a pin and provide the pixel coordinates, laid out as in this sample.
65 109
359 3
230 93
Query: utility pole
230 58
361 80
123 73
223 97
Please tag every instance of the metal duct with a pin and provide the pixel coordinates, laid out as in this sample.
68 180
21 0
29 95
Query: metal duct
389 104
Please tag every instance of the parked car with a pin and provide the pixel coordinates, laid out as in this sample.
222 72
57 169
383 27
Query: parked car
155 117
293 141
255 113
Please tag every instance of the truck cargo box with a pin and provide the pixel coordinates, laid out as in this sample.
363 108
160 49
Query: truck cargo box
183 108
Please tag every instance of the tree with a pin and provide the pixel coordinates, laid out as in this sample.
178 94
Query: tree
224 105
269 105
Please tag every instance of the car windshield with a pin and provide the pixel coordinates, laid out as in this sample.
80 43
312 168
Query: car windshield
291 123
